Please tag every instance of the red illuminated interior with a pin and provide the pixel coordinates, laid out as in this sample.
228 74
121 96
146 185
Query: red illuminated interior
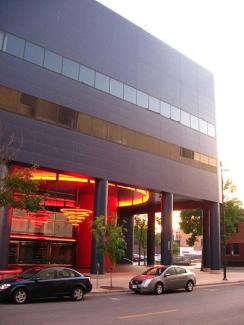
131 195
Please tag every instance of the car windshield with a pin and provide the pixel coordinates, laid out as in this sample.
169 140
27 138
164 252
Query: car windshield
29 273
154 271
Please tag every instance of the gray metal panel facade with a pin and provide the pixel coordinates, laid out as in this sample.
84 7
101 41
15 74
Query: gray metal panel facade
92 35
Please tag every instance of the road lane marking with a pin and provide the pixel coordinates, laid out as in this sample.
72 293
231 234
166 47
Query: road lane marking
149 314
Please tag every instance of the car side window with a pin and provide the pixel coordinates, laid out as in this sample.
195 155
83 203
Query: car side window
65 273
180 270
170 271
47 275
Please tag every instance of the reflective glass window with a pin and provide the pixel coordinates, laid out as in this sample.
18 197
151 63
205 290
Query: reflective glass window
180 270
70 69
67 117
114 133
170 271
197 156
203 126
194 122
102 82
227 249
154 104
142 99
84 123
47 275
8 98
45 110
99 128
62 253
130 94
175 113
34 53
1 39
185 118
52 61
235 249
66 273
187 153
87 75
204 159
26 105
116 88
14 45
31 252
211 130
128 137
212 162
165 109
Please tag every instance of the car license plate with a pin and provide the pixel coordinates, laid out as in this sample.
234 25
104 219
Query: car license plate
134 286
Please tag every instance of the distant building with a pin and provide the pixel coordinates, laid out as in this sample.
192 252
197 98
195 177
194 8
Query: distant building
181 238
235 247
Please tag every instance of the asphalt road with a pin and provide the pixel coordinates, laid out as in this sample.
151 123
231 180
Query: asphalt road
222 304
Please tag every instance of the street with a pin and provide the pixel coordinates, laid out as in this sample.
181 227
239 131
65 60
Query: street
220 304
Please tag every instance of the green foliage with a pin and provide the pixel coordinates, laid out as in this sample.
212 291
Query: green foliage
19 191
176 248
191 223
233 214
140 234
157 239
109 238
191 220
140 230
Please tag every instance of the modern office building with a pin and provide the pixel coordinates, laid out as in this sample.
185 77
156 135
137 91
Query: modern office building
118 122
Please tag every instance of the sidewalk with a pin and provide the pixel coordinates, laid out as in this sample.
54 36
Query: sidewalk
123 274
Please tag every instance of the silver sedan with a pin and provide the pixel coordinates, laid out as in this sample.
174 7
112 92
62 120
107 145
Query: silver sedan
161 278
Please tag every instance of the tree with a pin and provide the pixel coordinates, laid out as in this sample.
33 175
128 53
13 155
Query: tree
19 191
191 223
176 248
232 209
109 240
140 232
191 220
10 143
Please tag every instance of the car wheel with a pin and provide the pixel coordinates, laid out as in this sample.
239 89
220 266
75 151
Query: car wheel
20 296
77 294
189 286
159 288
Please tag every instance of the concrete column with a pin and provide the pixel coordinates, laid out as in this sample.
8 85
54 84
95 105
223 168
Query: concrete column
215 236
206 249
167 230
100 208
5 224
150 238
128 225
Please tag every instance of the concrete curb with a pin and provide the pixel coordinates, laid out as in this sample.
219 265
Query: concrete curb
125 290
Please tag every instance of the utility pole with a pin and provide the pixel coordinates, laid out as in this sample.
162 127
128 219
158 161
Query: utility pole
223 224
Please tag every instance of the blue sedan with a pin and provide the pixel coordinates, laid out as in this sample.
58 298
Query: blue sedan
50 282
